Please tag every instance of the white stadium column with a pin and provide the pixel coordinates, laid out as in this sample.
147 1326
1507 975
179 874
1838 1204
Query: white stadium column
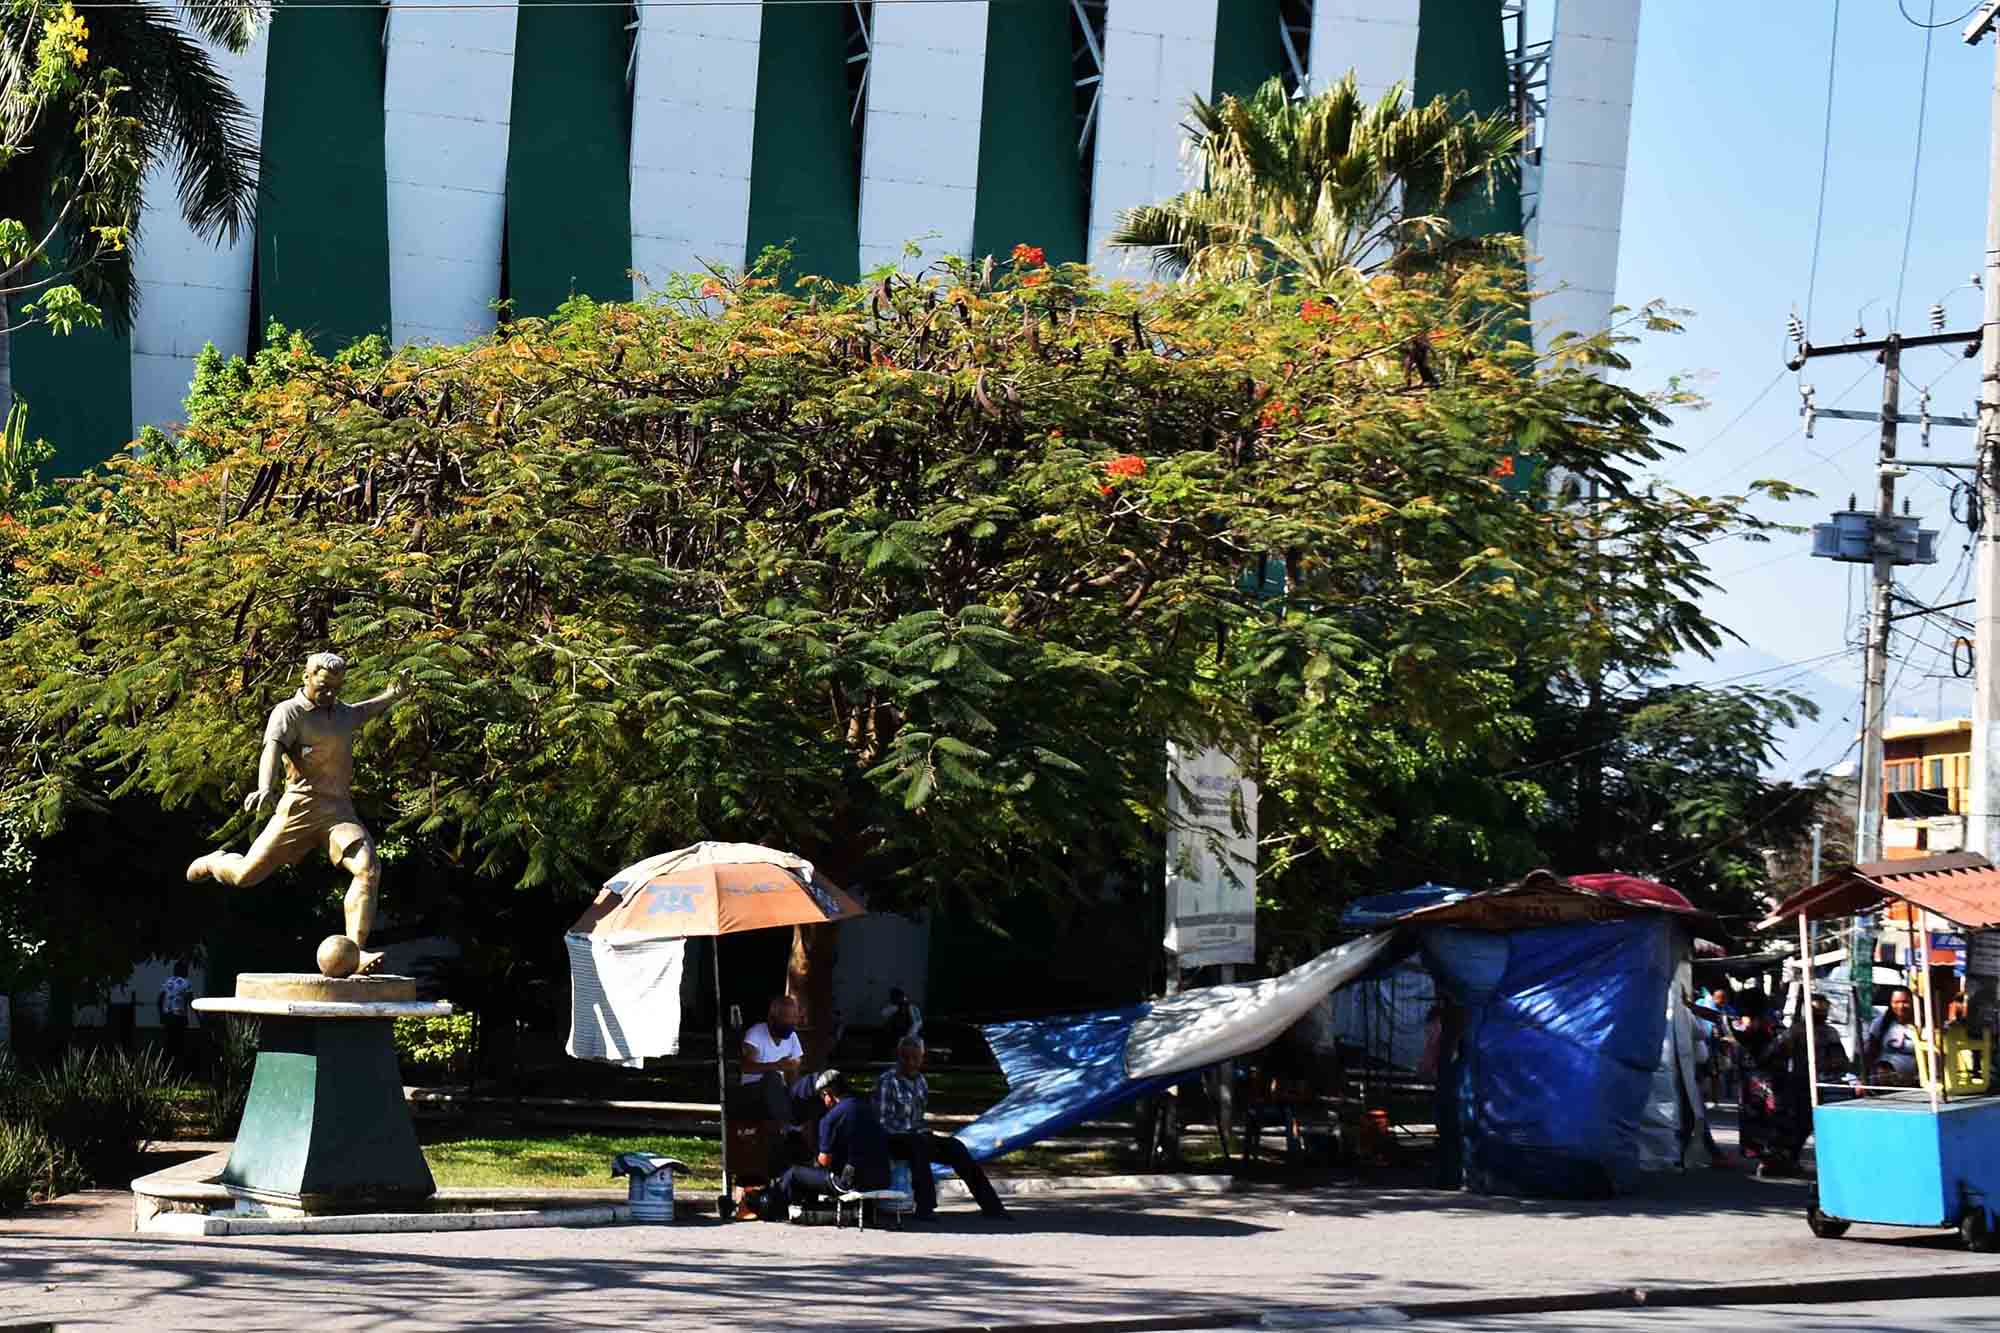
446 99
920 152
1377 39
1573 240
694 112
192 291
1157 55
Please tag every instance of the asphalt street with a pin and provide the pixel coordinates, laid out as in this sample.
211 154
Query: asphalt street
1063 1260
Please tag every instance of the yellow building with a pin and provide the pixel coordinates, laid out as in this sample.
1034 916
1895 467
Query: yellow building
1927 766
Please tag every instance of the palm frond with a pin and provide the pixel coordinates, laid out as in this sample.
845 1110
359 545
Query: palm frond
193 118
1321 184
230 24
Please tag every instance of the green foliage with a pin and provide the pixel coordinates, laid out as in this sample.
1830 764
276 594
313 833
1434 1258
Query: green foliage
90 107
914 577
22 490
438 1050
33 1166
229 1080
1317 186
100 1106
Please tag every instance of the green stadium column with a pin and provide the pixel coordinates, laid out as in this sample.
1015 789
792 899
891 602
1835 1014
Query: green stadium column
322 203
569 197
804 191
1030 190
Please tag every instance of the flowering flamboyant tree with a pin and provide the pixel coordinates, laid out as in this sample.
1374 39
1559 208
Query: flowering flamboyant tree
913 577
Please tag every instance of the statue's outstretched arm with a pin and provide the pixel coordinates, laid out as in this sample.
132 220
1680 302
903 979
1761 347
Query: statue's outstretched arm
370 709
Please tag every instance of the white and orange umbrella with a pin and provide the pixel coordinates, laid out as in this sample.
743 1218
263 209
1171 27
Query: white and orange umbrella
707 890
713 888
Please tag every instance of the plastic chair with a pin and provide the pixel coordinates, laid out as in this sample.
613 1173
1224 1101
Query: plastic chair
1968 1059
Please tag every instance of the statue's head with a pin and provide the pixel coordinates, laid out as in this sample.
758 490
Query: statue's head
324 673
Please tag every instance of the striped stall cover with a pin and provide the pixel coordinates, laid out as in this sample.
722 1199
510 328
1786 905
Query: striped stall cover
625 999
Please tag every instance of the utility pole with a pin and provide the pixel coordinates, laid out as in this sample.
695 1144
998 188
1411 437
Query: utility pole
1982 823
1874 707
1882 539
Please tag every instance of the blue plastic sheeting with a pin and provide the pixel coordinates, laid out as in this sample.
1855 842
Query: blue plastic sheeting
1563 1030
1060 1072
1386 909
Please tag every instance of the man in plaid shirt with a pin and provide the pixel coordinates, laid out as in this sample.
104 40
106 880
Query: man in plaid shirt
902 1099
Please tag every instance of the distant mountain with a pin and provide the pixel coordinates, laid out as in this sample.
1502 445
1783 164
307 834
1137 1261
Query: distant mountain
1832 684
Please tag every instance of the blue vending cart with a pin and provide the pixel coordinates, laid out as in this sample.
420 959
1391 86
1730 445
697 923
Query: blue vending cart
1929 1155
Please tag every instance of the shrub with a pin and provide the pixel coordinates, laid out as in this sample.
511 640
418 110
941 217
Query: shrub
104 1106
437 1050
229 1088
32 1166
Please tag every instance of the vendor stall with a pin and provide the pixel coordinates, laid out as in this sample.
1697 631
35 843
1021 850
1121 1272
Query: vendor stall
1926 1155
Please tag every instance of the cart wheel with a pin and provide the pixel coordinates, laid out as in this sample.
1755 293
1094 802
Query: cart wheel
725 1208
1974 1231
1826 1228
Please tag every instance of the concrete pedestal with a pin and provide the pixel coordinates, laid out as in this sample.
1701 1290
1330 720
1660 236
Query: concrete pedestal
326 1128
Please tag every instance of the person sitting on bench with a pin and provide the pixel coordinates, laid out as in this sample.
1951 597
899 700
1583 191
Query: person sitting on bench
853 1154
772 1089
902 1099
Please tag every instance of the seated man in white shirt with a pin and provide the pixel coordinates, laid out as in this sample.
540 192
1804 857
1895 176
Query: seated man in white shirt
772 1088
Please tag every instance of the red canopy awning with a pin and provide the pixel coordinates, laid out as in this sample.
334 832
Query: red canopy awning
1544 898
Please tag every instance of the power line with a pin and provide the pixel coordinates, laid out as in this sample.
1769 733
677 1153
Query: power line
1825 159
1736 420
1782 440
1799 795
1916 163
1911 19
1807 662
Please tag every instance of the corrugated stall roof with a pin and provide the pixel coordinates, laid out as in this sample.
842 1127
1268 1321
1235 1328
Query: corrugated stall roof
1962 887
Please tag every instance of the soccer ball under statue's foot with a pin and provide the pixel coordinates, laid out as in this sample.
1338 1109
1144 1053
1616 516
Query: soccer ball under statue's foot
339 956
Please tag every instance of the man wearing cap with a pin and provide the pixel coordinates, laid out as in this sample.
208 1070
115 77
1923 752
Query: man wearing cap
853 1154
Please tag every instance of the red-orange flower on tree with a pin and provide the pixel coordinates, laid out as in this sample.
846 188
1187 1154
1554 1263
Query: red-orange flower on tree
1029 256
1126 465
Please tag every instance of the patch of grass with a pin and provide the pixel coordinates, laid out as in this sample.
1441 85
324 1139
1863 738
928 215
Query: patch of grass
569 1161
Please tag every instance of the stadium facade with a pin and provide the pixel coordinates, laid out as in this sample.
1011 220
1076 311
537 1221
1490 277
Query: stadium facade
421 165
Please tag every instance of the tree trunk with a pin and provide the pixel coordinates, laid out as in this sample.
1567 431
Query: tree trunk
809 980
6 365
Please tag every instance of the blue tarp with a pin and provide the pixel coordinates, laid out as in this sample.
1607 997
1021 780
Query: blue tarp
1386 909
1563 1031
1060 1072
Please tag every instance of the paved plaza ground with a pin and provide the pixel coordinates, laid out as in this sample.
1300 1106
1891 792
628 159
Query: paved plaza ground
1366 1239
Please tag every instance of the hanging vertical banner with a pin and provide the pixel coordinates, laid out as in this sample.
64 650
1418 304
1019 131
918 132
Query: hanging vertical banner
1211 858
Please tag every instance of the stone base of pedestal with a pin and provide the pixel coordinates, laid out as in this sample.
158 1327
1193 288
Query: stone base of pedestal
326 1128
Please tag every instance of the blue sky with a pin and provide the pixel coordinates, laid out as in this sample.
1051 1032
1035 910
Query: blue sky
1721 195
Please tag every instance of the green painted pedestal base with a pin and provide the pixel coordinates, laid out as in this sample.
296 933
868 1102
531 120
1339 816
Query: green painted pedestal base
326 1128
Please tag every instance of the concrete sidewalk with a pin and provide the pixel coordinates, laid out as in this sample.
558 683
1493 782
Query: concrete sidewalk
1367 1241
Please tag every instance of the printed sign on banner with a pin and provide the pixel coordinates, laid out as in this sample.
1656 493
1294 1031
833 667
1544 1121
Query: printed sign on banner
1211 859
1983 953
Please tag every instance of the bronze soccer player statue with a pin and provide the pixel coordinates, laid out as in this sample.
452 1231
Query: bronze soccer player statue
313 732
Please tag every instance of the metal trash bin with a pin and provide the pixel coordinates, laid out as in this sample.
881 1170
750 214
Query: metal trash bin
650 1190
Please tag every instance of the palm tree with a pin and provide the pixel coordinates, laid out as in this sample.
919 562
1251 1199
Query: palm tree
90 105
1320 185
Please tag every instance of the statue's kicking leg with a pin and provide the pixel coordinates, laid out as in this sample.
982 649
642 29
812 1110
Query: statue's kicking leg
271 850
360 861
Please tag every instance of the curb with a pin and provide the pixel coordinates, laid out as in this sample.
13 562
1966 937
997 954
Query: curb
1024 1186
1811 1291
